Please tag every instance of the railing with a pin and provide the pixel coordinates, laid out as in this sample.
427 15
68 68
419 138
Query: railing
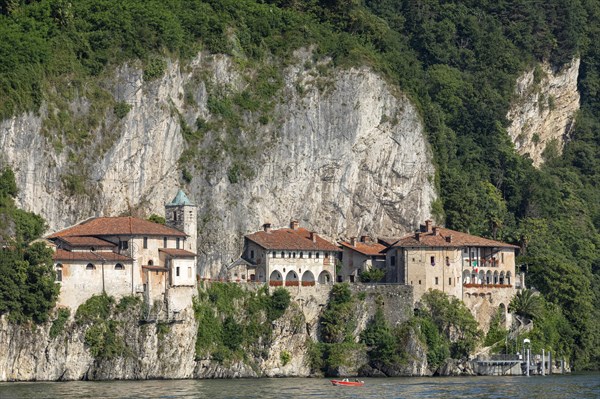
276 283
482 285
308 283
292 283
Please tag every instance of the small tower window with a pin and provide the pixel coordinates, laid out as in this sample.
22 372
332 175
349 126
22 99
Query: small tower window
90 266
150 262
59 272
309 255
145 242
252 254
174 216
301 254
177 271
274 254
164 242
317 254
436 281
119 266
282 254
177 243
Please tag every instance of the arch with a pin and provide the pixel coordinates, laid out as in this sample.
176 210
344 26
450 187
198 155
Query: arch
466 277
501 281
275 279
508 278
90 266
308 279
291 279
481 277
488 277
325 278
58 268
119 266
150 262
496 277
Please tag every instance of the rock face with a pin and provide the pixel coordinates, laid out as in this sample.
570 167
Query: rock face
344 153
544 109
167 350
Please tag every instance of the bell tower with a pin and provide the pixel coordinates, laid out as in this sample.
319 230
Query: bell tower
181 214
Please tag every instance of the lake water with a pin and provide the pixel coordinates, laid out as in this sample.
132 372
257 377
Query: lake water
549 387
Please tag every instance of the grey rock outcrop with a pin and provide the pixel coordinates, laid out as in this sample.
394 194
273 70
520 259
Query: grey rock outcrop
544 110
344 153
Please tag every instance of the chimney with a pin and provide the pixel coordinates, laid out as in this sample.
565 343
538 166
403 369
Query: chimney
365 239
267 227
294 224
435 230
428 224
418 235
353 241
313 236
449 238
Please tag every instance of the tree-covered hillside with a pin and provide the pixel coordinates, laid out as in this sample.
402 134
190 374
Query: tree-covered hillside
457 60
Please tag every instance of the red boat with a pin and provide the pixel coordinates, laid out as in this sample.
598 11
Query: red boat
346 383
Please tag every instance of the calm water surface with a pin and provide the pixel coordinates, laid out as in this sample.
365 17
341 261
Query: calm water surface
561 387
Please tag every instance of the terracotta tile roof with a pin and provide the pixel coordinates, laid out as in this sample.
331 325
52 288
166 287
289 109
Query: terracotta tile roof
177 253
112 226
387 241
285 239
441 239
366 248
77 241
93 256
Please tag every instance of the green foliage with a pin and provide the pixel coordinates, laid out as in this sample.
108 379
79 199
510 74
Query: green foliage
58 324
456 326
372 276
162 329
154 218
497 334
27 287
285 357
96 309
384 347
104 335
234 322
121 109
526 304
338 319
128 303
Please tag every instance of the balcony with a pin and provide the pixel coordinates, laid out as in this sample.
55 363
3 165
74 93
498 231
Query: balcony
482 285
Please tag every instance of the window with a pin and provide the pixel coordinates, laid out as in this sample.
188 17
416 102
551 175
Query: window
393 260
189 272
294 254
282 254
252 254
164 242
145 242
124 244
59 272
274 254
449 280
326 255
177 243
309 255
419 282
317 255
119 266
90 266
243 276
436 281
432 260
502 257
177 271
175 216
150 262
301 254
447 261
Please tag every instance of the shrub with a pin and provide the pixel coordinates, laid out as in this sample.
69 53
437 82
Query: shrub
372 276
58 324
121 109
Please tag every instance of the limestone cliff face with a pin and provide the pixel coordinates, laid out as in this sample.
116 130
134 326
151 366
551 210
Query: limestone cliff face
342 151
152 350
544 109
